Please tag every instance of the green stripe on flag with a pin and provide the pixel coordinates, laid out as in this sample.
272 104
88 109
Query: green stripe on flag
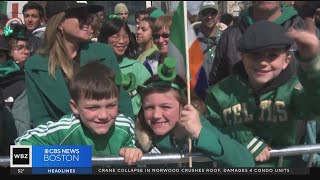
3 7
177 28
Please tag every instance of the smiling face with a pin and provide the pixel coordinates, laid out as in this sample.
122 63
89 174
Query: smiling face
97 115
263 66
162 111
119 42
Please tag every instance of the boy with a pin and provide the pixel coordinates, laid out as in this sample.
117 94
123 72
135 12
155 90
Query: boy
95 120
260 104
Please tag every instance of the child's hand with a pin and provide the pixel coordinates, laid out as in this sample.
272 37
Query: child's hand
264 155
131 155
307 41
190 120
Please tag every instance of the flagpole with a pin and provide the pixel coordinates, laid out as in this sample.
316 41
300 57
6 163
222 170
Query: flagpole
185 18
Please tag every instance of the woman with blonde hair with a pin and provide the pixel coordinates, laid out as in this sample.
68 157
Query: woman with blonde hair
67 47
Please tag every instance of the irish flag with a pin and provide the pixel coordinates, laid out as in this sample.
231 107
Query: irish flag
177 46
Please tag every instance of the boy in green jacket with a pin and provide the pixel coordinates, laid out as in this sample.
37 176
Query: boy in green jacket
95 120
260 105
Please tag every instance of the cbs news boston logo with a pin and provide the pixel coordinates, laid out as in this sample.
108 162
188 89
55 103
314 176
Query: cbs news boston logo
27 159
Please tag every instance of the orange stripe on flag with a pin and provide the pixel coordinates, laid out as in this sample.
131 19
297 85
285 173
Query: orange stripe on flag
195 61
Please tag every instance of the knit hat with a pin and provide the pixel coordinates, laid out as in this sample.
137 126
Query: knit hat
120 8
208 5
264 35
56 7
156 13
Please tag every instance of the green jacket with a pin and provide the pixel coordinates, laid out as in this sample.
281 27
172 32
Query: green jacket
70 131
271 116
211 142
49 98
141 73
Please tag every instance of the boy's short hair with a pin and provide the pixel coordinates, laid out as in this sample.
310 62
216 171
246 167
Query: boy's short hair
33 5
264 35
93 81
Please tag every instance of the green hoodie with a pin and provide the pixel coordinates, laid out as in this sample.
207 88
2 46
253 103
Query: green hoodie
141 73
287 13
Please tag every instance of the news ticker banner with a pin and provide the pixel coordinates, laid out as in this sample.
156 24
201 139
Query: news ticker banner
50 159
78 160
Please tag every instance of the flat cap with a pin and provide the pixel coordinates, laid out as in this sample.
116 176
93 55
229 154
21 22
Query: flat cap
264 35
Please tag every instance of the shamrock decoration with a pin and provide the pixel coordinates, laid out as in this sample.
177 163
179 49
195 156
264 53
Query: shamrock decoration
7 31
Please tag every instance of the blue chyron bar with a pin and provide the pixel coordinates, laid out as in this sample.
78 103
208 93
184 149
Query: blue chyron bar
51 159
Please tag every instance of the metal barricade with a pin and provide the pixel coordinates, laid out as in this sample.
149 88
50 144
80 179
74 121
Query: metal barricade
196 157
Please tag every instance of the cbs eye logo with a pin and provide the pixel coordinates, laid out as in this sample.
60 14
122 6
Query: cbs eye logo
20 156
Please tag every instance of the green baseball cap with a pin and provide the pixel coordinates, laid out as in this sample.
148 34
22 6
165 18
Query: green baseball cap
208 5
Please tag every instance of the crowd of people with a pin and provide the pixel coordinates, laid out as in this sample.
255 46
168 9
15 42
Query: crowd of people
72 75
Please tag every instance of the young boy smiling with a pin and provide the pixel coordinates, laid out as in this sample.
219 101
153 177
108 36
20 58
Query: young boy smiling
95 120
260 104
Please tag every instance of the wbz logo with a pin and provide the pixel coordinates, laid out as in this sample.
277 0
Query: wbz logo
20 156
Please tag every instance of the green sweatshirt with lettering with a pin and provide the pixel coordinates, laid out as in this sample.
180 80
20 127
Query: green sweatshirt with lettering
271 116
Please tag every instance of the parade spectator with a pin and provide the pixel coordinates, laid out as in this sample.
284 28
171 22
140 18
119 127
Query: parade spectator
165 122
138 16
122 10
208 32
226 54
12 78
33 15
67 47
226 19
116 32
19 45
95 120
264 95
161 34
145 39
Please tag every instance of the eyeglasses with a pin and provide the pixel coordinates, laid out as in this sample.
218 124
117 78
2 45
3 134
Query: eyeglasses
117 38
208 12
164 35
22 48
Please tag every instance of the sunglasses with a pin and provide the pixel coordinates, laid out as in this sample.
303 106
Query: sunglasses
208 12
84 17
164 35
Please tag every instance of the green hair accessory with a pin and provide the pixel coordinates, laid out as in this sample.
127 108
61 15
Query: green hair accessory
167 70
128 81
7 31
